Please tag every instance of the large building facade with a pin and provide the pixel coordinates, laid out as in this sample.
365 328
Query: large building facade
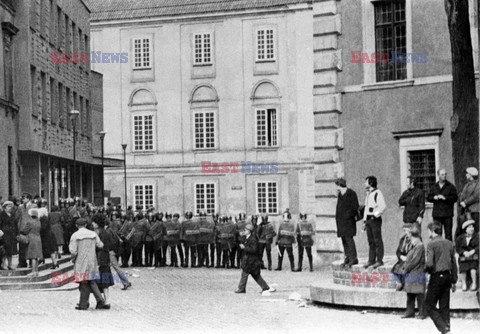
38 95
276 82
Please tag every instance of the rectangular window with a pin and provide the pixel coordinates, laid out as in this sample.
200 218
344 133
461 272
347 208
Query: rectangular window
203 48
74 38
53 102
205 130
81 117
267 197
61 114
143 132
11 168
43 77
205 198
144 196
43 18
34 90
59 28
265 42
421 167
68 108
89 118
391 38
267 128
52 33
141 50
78 120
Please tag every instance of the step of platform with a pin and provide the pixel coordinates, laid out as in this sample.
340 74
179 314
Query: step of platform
328 292
26 271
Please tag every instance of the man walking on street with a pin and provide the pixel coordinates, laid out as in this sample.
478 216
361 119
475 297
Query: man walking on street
374 208
442 266
347 206
443 195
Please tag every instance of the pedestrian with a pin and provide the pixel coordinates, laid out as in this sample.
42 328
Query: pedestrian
34 246
374 208
467 249
414 276
305 235
251 263
404 246
9 239
112 227
469 199
413 201
82 246
57 229
443 195
22 217
442 267
49 244
240 223
345 213
266 233
105 278
285 240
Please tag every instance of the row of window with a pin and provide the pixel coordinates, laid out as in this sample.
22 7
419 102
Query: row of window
266 130
206 200
58 28
265 48
62 99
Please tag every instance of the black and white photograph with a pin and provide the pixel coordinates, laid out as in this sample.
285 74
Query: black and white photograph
239 166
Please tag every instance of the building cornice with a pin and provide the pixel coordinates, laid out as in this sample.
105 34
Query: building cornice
197 17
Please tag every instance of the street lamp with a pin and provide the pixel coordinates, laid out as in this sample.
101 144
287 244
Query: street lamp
73 116
102 137
124 147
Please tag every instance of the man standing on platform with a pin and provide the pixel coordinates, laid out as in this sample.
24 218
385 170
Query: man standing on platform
443 195
347 206
442 267
413 201
374 208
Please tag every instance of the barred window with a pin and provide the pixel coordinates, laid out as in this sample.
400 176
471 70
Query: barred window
204 130
143 132
265 41
266 127
205 198
391 38
141 47
421 165
267 197
144 196
203 48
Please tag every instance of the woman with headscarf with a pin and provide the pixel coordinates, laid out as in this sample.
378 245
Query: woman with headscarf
414 277
467 249
49 244
8 241
32 232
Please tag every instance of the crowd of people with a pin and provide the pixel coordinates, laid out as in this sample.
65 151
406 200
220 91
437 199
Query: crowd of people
415 260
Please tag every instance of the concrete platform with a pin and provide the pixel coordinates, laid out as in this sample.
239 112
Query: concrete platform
359 287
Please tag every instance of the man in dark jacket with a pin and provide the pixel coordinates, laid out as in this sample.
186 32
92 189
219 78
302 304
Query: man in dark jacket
347 206
443 195
413 201
251 262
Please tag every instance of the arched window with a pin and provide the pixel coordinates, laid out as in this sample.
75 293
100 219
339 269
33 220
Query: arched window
266 104
204 106
143 107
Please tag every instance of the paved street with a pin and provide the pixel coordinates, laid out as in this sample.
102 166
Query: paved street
200 301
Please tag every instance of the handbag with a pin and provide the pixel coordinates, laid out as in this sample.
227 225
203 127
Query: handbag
23 239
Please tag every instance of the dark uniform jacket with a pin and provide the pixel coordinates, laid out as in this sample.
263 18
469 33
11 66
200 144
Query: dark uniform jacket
305 233
347 206
443 208
266 233
251 263
240 225
414 278
10 230
207 235
404 246
103 254
286 234
172 232
441 257
157 231
226 235
462 246
190 232
413 201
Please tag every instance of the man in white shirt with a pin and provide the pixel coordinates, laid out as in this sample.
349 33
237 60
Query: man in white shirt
374 208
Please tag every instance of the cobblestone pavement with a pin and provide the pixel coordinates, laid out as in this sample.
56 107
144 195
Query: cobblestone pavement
176 300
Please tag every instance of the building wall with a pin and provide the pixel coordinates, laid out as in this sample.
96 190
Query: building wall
175 166
8 107
374 113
